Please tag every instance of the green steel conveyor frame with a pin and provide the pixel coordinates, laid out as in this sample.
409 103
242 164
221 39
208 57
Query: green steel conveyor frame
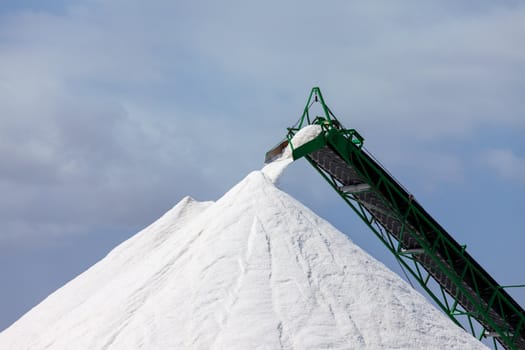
423 248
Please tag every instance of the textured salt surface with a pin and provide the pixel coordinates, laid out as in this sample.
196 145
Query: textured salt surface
254 270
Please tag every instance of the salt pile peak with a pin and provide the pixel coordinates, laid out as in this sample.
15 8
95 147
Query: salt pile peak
254 270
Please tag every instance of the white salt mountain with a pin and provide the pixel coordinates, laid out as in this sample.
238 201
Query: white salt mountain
254 270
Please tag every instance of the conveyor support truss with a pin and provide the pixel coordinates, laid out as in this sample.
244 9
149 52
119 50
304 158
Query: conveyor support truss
441 266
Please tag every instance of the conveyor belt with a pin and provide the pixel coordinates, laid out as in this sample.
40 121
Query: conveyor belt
443 258
385 206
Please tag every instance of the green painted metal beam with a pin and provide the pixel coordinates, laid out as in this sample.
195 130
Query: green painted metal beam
424 249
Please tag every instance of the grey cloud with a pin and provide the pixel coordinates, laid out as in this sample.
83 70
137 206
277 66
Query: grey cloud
121 108
449 72
53 142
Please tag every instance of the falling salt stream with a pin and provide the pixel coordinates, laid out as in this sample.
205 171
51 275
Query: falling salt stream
274 169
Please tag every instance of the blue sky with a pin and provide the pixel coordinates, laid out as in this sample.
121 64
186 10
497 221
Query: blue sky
113 111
